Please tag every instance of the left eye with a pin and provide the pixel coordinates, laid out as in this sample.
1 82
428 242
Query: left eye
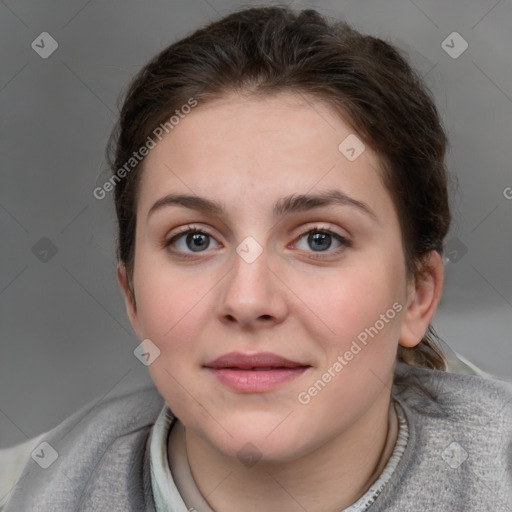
322 240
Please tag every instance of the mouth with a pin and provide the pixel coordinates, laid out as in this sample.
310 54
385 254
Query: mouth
254 373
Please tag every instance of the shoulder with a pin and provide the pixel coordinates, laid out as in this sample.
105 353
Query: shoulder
459 451
99 441
460 406
107 418
453 396
11 462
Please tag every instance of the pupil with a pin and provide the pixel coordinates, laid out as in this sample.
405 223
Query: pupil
323 239
198 240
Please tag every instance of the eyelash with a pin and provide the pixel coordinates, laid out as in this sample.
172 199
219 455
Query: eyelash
314 255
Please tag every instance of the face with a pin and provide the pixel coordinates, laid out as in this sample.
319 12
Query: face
266 274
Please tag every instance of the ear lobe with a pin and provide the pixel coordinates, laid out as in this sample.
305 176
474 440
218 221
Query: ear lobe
129 298
423 301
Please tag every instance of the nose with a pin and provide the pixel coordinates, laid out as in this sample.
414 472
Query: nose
252 295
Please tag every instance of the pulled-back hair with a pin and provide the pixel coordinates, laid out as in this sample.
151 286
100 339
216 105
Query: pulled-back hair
267 50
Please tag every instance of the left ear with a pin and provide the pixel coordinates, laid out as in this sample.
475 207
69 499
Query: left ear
423 298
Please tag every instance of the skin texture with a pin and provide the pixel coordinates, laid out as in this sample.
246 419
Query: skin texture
294 300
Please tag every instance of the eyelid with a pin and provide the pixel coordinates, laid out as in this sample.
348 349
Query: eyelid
189 228
320 226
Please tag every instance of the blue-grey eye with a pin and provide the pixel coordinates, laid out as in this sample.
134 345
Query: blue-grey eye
320 241
191 241
197 241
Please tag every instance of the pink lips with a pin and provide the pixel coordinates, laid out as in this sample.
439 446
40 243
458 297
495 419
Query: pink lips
254 373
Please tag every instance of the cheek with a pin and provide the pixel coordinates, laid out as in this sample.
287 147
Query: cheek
166 297
357 299
168 316
171 317
364 312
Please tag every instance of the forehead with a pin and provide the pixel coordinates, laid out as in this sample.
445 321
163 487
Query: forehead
242 147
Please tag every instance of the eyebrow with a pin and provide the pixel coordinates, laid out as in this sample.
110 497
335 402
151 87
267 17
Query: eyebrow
289 204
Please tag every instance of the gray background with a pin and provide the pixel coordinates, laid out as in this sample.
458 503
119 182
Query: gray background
64 336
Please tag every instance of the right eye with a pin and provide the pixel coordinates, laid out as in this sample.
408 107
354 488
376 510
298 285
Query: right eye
189 241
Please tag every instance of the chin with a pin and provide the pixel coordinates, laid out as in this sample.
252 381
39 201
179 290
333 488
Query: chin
265 441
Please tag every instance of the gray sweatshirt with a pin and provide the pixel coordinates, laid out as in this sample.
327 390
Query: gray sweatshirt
458 456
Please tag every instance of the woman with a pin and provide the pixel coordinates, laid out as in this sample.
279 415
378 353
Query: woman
281 195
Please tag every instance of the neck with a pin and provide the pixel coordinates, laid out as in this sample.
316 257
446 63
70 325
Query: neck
340 471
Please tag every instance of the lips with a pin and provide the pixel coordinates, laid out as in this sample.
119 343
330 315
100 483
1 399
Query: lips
256 373
257 362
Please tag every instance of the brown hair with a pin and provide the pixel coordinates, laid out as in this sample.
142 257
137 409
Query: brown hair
272 49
